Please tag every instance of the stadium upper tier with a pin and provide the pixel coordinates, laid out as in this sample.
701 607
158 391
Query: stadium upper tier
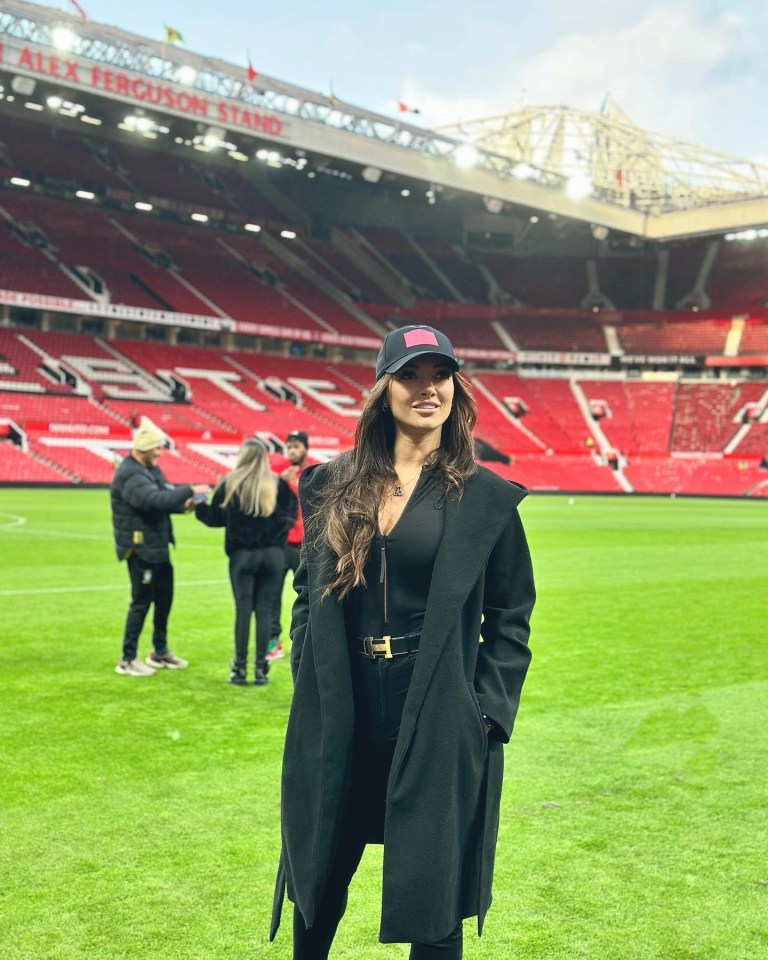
271 252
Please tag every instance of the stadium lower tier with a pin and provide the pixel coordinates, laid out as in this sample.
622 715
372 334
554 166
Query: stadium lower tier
559 435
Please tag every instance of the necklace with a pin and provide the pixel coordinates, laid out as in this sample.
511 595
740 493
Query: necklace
397 490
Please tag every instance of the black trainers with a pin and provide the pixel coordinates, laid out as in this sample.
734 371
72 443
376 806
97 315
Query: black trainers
238 675
260 675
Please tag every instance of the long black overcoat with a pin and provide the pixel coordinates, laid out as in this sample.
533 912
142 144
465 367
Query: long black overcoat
444 788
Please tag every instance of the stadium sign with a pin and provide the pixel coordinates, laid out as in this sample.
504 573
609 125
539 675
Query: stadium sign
650 359
140 90
564 358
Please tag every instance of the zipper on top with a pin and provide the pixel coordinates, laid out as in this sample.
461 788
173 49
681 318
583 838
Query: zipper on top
383 580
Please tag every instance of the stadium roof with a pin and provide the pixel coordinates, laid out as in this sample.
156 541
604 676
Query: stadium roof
598 167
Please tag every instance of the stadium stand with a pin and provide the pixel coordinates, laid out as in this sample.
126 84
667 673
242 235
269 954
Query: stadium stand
218 333
575 333
696 336
638 416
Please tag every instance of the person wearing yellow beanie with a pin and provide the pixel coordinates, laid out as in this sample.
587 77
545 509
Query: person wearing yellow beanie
142 502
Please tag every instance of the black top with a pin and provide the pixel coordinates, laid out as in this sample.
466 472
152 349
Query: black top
398 571
246 532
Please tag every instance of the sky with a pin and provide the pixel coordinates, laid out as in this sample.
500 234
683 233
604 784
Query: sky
692 69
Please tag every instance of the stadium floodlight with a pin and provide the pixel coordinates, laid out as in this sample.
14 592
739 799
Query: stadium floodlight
85 194
371 174
64 39
199 217
94 121
31 105
288 234
466 156
599 232
141 205
20 182
24 86
533 219
237 155
493 204
405 192
54 102
186 75
137 123
579 187
252 227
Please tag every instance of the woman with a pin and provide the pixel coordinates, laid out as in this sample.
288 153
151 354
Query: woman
257 510
411 553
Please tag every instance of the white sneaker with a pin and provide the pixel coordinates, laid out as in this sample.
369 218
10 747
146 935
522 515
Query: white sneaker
133 668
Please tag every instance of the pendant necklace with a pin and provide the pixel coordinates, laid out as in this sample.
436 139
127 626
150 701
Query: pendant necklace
397 490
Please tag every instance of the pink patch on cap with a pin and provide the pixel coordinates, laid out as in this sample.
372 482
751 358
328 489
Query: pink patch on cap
417 338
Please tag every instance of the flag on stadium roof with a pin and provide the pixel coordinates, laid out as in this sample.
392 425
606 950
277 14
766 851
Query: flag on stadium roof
172 35
333 99
78 9
252 73
404 108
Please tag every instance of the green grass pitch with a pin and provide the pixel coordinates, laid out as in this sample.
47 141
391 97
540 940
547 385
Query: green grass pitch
139 818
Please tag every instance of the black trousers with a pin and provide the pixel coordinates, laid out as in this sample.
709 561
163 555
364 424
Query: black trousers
292 554
151 583
255 576
380 688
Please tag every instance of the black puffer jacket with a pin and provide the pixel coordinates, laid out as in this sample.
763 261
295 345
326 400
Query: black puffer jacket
142 501
245 532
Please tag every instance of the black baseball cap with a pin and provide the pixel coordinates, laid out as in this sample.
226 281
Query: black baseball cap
405 343
299 435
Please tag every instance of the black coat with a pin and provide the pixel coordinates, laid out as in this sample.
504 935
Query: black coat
142 501
444 788
244 531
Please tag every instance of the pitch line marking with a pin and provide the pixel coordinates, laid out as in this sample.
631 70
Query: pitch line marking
41 591
15 521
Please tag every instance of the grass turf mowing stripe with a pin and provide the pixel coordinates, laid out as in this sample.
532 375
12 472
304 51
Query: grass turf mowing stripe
139 817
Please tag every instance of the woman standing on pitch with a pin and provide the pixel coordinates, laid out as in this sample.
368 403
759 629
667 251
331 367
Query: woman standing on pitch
257 510
412 553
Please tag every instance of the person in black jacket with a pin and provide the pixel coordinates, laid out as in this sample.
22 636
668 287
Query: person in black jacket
142 501
257 510
409 648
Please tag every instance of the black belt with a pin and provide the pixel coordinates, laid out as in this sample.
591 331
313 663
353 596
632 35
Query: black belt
376 648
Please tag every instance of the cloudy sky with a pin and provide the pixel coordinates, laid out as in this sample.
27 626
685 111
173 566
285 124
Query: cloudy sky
694 69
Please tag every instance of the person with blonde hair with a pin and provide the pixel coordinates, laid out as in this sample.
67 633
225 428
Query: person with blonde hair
409 651
257 509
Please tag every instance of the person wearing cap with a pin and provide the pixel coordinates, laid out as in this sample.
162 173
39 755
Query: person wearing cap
257 509
142 502
296 450
409 651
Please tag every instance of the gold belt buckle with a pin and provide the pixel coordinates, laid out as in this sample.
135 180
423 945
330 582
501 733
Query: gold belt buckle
372 648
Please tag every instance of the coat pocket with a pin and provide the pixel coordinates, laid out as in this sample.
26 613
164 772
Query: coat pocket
479 715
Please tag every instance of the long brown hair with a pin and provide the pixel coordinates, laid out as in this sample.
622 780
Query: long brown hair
348 517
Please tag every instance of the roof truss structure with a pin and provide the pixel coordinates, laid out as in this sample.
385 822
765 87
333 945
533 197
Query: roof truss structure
635 182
